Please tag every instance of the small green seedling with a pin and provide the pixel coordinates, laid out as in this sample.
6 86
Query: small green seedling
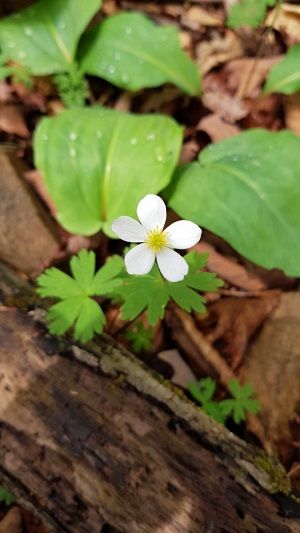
236 408
140 337
6 497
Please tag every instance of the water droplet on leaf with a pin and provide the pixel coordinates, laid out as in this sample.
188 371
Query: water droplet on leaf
73 136
133 141
28 31
73 152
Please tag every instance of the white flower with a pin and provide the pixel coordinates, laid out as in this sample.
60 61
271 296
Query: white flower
157 243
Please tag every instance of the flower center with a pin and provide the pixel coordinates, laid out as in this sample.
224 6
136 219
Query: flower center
156 240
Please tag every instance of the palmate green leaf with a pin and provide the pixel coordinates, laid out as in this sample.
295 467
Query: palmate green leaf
44 37
140 337
152 292
247 190
6 496
241 402
248 13
99 163
76 307
284 77
132 52
202 390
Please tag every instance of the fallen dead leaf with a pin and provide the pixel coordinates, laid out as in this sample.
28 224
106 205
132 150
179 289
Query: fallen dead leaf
182 373
217 128
291 105
12 522
189 151
201 356
228 270
264 112
286 18
12 120
272 366
246 75
196 17
236 320
219 50
218 99
5 92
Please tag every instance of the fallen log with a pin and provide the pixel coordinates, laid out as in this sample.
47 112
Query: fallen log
93 441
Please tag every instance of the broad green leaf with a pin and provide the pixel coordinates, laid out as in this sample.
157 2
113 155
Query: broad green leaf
284 77
248 13
44 37
247 190
98 163
132 52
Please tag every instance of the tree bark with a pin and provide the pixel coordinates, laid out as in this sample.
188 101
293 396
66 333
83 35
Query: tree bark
93 441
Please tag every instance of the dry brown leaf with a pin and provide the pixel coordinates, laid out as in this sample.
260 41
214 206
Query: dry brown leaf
201 356
12 120
246 75
196 17
292 112
237 319
182 373
219 50
272 365
189 152
229 270
228 107
286 18
5 92
12 522
217 128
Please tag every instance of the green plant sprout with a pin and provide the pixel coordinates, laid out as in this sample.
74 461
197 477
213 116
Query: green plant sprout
236 407
127 49
6 497
140 337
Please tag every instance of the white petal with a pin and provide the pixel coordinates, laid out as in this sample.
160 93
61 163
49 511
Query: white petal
139 260
183 234
128 229
172 266
152 212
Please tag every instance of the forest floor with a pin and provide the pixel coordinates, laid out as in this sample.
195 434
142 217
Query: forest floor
251 330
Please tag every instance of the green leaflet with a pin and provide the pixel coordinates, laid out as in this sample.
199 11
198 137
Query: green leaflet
98 163
44 37
152 292
248 13
284 77
132 52
76 306
247 190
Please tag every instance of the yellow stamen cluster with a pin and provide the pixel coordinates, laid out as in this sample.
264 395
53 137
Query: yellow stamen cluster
156 240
